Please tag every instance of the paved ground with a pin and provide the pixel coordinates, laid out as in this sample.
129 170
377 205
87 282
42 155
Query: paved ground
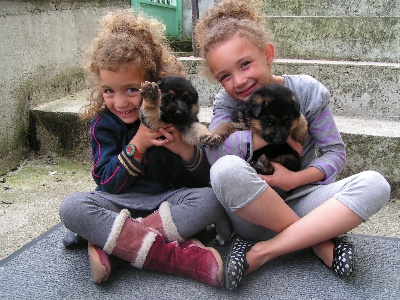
46 270
30 196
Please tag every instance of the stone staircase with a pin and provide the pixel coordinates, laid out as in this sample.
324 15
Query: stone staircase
353 47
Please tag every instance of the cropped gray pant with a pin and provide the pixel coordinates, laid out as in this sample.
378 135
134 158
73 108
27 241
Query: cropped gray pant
236 184
91 215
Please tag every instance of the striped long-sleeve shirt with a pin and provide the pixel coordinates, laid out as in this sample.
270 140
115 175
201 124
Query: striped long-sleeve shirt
314 104
116 172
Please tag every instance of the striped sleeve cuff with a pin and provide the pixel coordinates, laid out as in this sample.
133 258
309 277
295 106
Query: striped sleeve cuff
129 163
194 163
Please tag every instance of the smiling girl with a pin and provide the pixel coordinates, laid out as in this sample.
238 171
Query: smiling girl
314 208
128 50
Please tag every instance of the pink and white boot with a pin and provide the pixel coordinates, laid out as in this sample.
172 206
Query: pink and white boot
153 243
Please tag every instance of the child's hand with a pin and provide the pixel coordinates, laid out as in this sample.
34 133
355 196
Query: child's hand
146 138
282 177
175 144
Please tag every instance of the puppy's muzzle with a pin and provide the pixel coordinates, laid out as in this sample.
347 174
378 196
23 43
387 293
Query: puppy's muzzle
276 138
176 111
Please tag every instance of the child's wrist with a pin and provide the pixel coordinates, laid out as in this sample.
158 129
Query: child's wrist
295 179
141 149
139 146
133 151
188 153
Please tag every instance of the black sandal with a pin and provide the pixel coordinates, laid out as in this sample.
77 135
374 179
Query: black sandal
343 258
236 264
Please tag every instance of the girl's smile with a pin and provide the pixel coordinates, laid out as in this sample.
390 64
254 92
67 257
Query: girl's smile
120 90
247 92
128 112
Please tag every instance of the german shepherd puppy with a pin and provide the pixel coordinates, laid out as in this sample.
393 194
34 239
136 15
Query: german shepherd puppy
273 113
173 100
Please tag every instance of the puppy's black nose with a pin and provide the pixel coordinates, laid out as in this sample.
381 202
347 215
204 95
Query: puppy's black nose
179 112
181 109
280 138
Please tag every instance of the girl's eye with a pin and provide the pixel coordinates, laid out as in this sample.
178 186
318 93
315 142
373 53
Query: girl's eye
132 90
245 64
223 77
108 91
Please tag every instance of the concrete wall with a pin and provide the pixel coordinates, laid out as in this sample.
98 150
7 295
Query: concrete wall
41 49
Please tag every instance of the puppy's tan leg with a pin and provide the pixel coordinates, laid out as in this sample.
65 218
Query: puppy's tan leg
198 134
150 109
224 130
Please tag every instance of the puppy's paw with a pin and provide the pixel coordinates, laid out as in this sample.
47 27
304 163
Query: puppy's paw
263 165
150 91
211 139
240 126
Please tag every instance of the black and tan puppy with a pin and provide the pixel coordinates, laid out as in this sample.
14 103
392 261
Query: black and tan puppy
173 100
273 113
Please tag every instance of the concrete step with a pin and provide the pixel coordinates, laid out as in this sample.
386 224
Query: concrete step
358 89
332 8
337 37
370 144
55 127
335 30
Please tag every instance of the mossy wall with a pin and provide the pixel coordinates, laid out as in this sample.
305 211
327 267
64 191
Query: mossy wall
42 47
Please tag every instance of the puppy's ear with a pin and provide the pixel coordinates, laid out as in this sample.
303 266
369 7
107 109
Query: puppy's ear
255 109
300 132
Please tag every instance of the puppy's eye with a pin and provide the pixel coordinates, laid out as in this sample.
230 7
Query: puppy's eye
269 122
168 96
287 121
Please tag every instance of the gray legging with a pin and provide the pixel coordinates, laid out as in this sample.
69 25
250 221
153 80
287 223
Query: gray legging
236 184
91 215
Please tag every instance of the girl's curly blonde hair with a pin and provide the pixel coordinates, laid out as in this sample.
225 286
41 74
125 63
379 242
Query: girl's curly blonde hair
127 37
227 19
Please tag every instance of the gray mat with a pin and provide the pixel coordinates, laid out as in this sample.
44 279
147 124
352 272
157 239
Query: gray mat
44 269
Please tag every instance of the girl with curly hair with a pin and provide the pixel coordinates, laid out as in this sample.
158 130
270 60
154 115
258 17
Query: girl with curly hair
128 50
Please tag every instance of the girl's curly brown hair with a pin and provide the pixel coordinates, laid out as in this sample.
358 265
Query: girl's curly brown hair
126 38
229 18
